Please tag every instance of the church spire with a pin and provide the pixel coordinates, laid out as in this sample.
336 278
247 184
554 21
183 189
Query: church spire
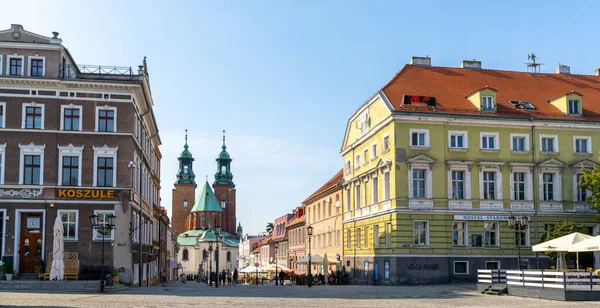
185 174
223 174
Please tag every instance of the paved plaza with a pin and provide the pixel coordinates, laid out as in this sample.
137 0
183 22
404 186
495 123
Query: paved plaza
192 294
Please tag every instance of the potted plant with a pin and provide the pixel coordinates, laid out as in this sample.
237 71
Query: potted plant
40 269
8 270
115 274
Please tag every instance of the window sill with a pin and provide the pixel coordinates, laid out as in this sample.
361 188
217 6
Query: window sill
549 153
458 149
461 247
490 150
520 152
373 158
492 248
582 154
385 151
414 147
67 240
421 247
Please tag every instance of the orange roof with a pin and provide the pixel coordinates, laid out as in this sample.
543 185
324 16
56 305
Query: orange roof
297 220
451 86
330 184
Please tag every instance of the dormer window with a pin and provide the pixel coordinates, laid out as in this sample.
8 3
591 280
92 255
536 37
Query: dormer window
487 103
522 105
574 107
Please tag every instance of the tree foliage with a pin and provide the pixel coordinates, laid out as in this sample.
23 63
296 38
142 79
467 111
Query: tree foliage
561 229
269 227
590 180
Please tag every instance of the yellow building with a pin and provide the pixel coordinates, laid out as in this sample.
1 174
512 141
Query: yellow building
438 160
324 214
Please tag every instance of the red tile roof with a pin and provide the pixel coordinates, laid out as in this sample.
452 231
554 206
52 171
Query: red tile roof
451 86
295 221
330 184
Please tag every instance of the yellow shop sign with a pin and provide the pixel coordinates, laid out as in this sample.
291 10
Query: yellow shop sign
85 193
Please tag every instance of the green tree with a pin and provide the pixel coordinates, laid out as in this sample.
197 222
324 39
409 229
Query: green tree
590 180
561 229
269 227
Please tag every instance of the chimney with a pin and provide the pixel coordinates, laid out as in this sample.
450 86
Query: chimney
597 72
563 69
472 64
420 61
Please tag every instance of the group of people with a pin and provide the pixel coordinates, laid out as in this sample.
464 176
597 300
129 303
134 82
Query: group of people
228 278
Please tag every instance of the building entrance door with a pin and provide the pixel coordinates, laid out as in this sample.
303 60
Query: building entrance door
30 249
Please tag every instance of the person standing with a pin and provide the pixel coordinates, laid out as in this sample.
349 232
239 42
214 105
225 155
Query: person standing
235 276
281 277
223 277
228 276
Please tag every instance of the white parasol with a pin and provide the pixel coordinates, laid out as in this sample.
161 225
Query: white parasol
58 265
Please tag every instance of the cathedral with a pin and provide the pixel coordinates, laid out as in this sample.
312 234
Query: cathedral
196 217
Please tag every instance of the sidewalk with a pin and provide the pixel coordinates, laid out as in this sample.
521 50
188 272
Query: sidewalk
64 286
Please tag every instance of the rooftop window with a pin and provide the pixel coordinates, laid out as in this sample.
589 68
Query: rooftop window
522 105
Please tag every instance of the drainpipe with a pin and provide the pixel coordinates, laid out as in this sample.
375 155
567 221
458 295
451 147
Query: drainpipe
535 195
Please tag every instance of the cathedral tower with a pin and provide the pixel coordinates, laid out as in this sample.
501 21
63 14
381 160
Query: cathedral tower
225 189
185 190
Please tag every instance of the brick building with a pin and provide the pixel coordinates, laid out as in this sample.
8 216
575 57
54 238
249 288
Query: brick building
75 140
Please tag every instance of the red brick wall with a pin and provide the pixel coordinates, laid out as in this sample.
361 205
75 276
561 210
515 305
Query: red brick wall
180 193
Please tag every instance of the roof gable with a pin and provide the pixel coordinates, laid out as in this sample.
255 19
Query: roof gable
207 202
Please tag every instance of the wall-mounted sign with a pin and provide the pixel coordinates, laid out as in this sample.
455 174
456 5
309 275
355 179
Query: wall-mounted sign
366 269
387 270
33 222
69 193
413 99
120 244
426 266
21 193
485 217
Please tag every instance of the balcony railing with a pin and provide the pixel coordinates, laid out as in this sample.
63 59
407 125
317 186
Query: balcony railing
96 72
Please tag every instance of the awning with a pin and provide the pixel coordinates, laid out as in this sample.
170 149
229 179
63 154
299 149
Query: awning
590 244
280 268
562 243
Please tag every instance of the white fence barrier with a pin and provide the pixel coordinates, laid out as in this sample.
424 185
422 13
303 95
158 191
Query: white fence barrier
575 281
491 276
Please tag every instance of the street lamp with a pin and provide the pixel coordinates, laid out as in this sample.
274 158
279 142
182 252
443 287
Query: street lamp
309 277
103 224
276 251
519 227
210 249
217 232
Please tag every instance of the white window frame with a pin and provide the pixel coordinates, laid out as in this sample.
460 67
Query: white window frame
528 183
62 115
357 196
375 190
578 107
483 99
69 150
106 107
496 141
348 166
36 57
3 107
576 187
466 168
426 245
466 237
497 182
357 161
105 151
374 150
365 156
59 214
348 199
31 149
375 236
425 138
454 267
588 149
112 231
557 185
383 148
527 243
513 136
2 164
24 114
496 230
554 143
8 58
428 180
462 133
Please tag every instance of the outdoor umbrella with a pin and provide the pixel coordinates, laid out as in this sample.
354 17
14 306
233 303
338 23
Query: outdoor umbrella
271 268
58 265
561 245
590 244
326 267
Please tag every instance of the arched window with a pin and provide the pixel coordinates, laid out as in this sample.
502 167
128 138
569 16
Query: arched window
204 255
229 256
223 170
185 254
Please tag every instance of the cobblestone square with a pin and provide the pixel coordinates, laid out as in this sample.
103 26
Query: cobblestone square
200 295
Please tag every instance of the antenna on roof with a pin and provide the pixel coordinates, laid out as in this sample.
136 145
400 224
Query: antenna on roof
533 66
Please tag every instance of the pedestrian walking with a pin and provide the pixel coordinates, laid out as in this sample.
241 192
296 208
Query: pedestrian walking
223 277
281 277
235 276
228 276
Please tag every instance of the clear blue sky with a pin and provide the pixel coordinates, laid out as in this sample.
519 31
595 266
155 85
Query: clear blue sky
282 77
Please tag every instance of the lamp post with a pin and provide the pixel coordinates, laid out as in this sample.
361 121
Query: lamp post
107 223
210 249
519 227
309 277
276 251
217 233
